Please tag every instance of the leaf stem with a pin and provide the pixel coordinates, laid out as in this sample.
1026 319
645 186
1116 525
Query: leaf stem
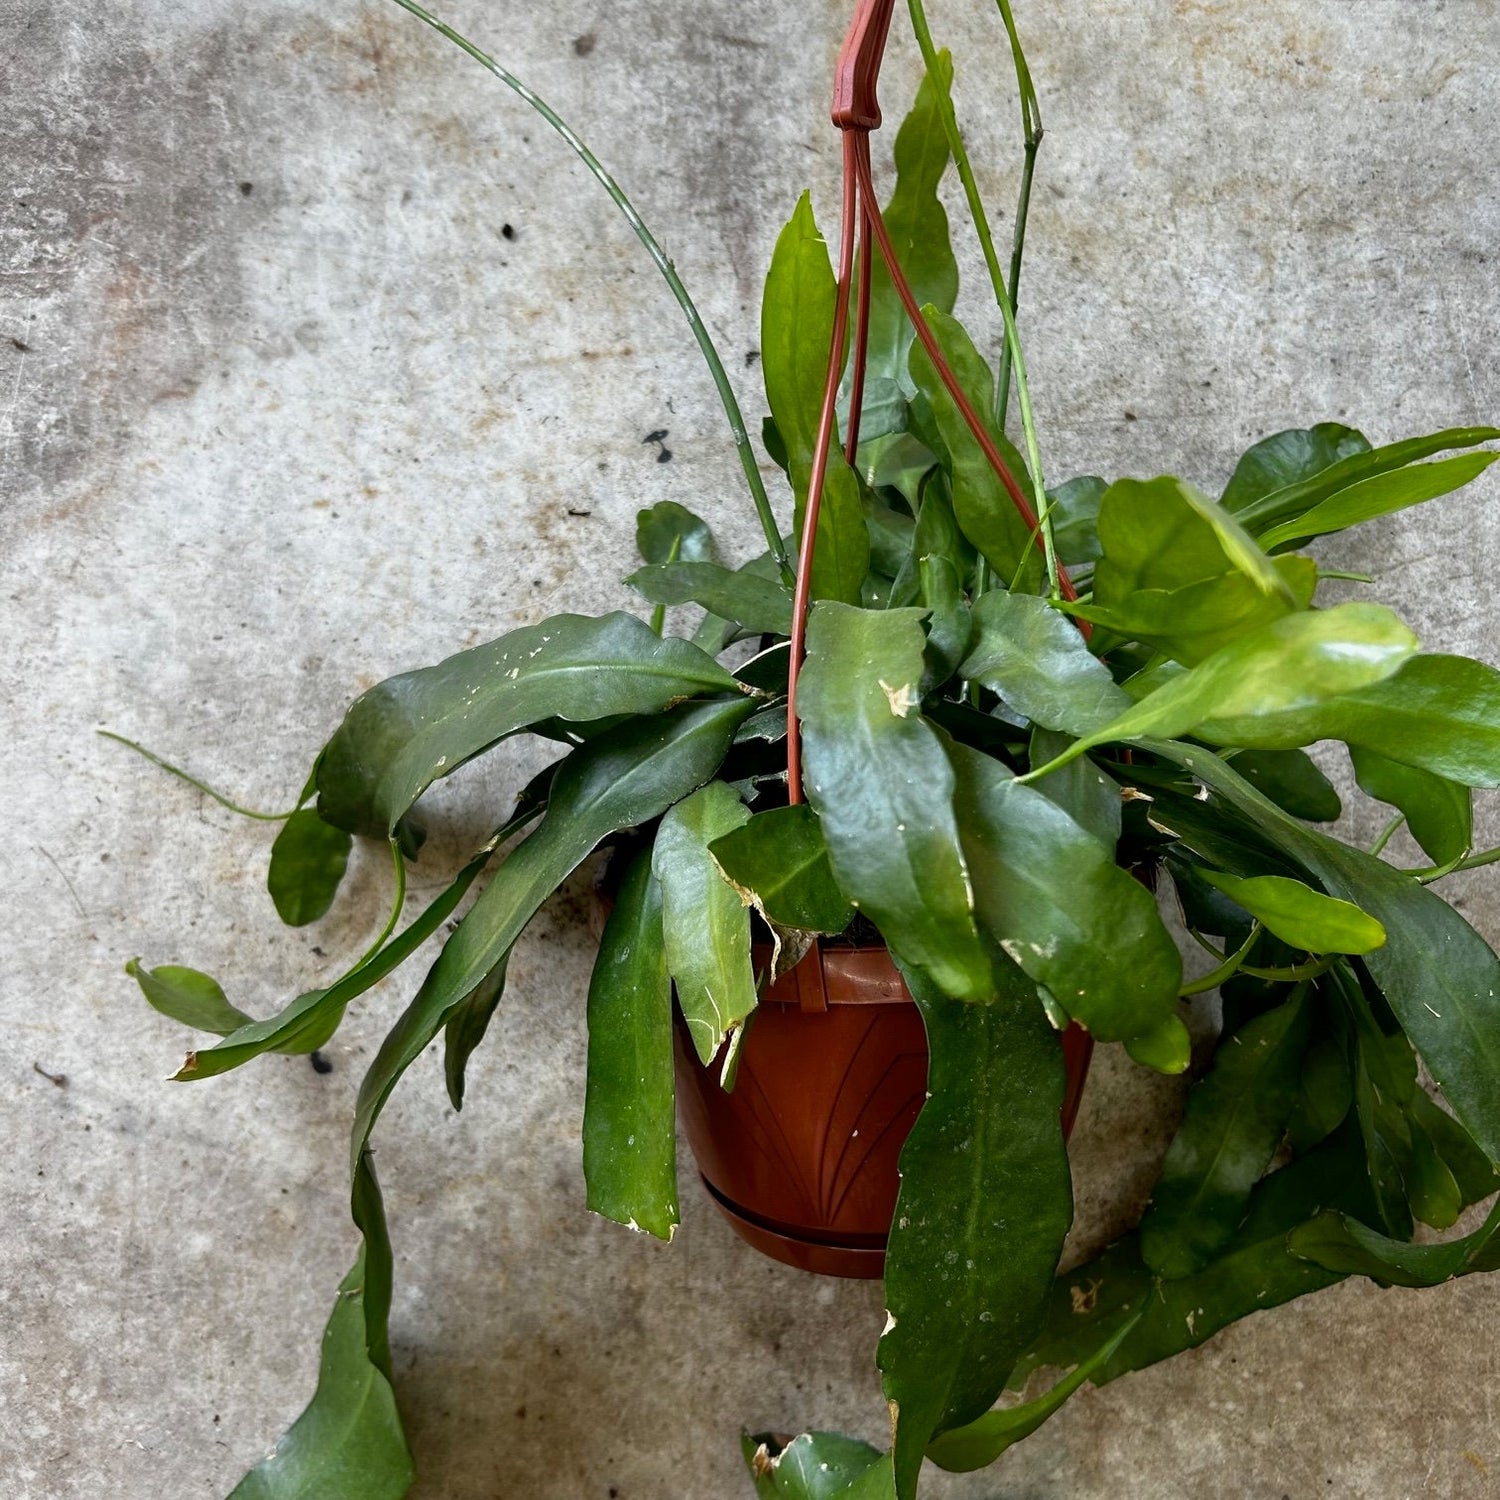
663 264
181 775
1469 862
1387 833
1226 970
396 905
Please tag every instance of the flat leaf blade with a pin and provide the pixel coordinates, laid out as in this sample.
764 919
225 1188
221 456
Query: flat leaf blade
308 861
187 995
778 860
1301 916
1439 812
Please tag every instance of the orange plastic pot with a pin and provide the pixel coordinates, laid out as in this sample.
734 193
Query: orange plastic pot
801 1156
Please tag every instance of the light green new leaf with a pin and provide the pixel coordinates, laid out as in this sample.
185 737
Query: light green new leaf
1235 1119
1301 916
669 532
1380 495
1060 907
629 1124
1166 1049
1040 664
410 730
813 1466
882 786
778 861
308 861
1289 457
754 604
706 925
985 1204
1342 1244
189 996
1439 813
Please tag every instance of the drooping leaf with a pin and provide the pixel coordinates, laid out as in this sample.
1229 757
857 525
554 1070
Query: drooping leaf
706 925
1235 1119
1075 519
1060 907
877 776
754 604
1473 1172
1342 1244
985 1204
308 861
813 1466
1080 788
779 862
669 532
1287 458
1301 916
934 534
465 1027
614 782
1439 813
1166 1048
1380 495
409 730
629 1124
1291 780
950 626
189 996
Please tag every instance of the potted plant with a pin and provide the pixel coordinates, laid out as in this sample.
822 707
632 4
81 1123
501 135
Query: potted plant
926 737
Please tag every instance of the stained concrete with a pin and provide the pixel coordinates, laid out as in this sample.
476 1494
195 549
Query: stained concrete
284 407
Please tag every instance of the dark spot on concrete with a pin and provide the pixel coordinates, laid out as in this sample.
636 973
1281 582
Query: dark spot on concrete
659 436
751 355
60 1079
1130 416
507 231
20 344
573 512
320 1064
585 44
246 188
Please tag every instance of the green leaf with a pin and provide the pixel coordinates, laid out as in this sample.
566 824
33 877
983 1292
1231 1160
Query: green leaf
1342 1244
669 532
1472 1171
985 1204
1166 1049
465 1027
778 861
617 781
1294 662
629 1124
186 995
308 861
877 775
1039 663
754 604
1059 905
813 1466
1295 498
706 925
1301 916
348 1443
1380 495
934 534
950 626
1287 458
986 514
1439 813
409 730
1235 1119
1075 519
1080 788
1291 780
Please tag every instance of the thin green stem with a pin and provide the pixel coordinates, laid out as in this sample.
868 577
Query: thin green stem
1387 833
992 261
192 781
396 905
1226 970
1469 862
658 255
1291 975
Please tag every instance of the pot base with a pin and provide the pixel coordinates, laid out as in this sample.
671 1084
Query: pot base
861 1262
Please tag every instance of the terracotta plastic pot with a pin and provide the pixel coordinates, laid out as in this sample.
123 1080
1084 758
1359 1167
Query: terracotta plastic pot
801 1156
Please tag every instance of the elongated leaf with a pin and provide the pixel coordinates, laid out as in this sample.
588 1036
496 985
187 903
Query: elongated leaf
1439 713
1296 661
755 604
187 995
464 1030
1080 788
614 782
1301 916
1059 905
934 534
918 226
308 861
669 532
1291 500
950 626
1166 1048
1235 1119
985 1204
986 514
1037 661
1439 813
629 1124
1291 780
778 861
1474 1174
1380 495
813 1466
706 925
882 786
1289 457
409 730
1342 1244
1075 519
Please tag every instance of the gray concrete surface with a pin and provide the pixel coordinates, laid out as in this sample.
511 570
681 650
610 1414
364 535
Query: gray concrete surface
282 411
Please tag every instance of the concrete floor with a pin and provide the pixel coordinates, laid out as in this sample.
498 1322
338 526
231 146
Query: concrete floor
284 408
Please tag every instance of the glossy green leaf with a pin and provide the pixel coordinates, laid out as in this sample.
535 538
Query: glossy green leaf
1431 1188
813 1466
186 995
465 1028
985 1204
754 604
1291 780
1296 498
409 730
1325 1093
1080 788
1287 458
617 781
1075 519
1439 813
1060 907
877 775
1039 663
1342 1244
1301 916
1472 1171
1167 1048
918 226
308 861
706 925
986 514
934 533
950 626
1380 495
669 532
778 861
1235 1119
629 1121
1296 661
